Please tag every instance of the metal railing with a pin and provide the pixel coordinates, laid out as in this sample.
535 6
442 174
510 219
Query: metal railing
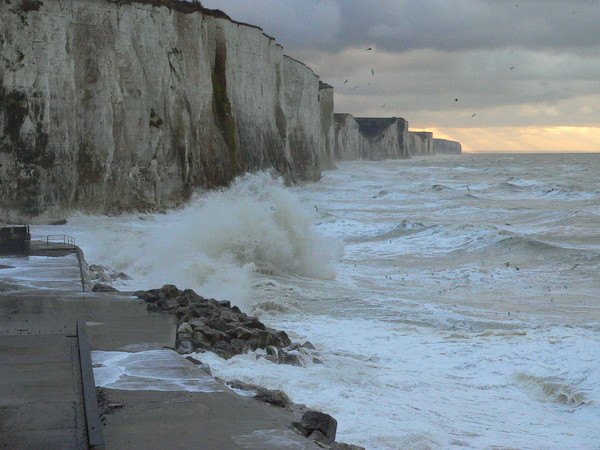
59 239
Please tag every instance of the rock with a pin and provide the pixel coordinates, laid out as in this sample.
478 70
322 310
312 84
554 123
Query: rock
218 324
274 397
183 301
185 347
193 360
185 328
239 346
199 323
254 344
228 316
99 287
293 359
235 309
223 349
191 296
169 291
318 421
122 276
167 304
308 345
201 345
225 304
278 338
214 336
239 332
59 222
151 296
237 384
253 322
318 436
344 446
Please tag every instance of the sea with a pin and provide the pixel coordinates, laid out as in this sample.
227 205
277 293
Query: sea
454 300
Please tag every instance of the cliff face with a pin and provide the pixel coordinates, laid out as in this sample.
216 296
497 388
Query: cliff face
421 143
109 106
444 146
370 138
347 141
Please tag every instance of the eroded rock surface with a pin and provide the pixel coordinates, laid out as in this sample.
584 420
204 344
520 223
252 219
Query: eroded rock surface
109 106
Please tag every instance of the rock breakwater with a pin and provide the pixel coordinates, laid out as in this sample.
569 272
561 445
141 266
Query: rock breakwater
217 326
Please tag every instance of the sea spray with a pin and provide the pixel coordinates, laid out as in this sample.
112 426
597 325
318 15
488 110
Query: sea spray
217 243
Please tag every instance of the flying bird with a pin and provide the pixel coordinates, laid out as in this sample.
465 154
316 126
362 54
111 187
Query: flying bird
372 72
455 100
369 49
512 67
383 106
345 81
474 115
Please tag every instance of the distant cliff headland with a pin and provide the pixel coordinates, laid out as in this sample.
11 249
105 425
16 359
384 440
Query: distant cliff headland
110 106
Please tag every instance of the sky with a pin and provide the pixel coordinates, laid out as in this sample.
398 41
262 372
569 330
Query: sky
496 75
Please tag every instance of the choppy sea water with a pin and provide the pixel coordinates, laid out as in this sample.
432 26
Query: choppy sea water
455 299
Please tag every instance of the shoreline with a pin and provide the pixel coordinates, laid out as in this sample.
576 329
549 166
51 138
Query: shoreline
111 318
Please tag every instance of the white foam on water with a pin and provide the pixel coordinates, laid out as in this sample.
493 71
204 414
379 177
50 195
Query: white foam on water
478 329
216 244
152 370
37 272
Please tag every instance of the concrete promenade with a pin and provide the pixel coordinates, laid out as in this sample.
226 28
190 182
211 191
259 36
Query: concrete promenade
41 300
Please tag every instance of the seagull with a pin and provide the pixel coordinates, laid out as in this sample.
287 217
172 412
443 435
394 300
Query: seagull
474 115
372 72
455 100
345 81
512 67
383 106
369 49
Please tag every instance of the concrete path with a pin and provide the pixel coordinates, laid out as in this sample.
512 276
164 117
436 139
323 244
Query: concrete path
41 400
35 329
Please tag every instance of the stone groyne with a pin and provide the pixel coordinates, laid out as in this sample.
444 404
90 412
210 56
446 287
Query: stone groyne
110 106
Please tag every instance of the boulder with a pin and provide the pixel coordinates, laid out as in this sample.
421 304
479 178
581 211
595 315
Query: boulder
150 296
185 328
274 397
185 347
99 287
277 338
317 421
169 291
225 304
167 304
293 359
229 316
344 446
239 346
253 322
238 384
223 349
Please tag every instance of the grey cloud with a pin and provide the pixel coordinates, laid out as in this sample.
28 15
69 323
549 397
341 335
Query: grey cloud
428 52
401 26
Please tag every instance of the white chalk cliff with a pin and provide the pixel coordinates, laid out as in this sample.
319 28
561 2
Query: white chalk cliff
110 105
377 138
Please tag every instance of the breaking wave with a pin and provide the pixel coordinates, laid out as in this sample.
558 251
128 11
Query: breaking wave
217 242
553 389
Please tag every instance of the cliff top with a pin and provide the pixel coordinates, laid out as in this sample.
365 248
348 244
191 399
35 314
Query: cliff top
372 126
187 7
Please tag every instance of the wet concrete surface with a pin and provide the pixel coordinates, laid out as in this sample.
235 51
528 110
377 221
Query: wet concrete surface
39 406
